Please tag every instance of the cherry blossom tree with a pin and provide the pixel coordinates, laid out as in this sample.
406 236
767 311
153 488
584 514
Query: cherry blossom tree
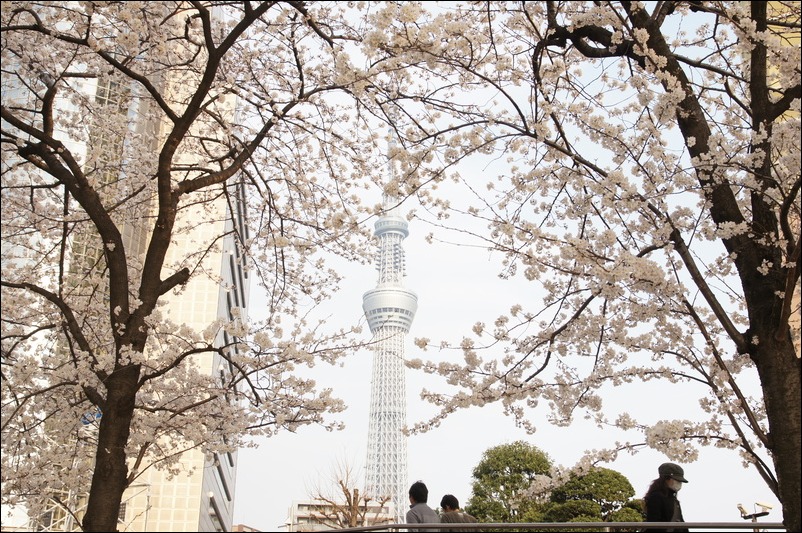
643 172
646 180
126 128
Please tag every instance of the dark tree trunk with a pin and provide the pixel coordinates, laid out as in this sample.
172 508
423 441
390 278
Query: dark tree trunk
780 370
110 478
770 342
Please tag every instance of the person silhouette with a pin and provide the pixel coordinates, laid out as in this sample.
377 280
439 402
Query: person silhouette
451 513
419 511
661 501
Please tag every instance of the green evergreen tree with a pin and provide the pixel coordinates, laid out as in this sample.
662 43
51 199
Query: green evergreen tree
501 478
601 495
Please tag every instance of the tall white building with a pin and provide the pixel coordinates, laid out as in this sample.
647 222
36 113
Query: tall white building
200 496
390 309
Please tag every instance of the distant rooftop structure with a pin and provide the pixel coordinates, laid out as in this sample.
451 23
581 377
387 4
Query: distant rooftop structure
320 515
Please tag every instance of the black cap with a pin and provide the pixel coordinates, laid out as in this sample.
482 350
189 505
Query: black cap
673 471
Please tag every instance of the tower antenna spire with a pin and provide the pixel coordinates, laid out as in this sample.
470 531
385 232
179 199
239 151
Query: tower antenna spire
389 309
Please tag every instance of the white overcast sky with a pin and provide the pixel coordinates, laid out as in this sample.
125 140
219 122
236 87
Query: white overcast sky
457 287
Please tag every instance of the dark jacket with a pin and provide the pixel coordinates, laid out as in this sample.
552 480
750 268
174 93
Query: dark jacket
457 517
663 506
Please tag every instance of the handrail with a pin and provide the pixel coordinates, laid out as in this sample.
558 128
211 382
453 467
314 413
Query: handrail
558 526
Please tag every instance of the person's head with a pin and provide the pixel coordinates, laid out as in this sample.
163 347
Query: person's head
418 492
449 503
673 475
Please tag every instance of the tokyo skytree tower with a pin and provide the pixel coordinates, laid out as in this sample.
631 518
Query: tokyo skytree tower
389 309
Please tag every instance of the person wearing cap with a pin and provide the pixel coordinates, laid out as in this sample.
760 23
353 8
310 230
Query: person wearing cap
661 500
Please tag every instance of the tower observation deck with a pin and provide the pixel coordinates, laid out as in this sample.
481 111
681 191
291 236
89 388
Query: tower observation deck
389 309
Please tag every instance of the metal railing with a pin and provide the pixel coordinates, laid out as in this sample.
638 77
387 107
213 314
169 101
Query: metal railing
574 526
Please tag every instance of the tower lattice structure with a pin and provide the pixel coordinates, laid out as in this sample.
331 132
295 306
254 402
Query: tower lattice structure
390 309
